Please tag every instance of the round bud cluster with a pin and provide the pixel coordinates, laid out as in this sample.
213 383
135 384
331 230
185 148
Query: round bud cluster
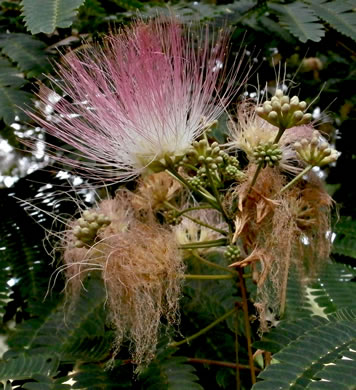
200 179
232 252
316 152
283 112
231 170
87 228
230 160
203 153
267 154
231 167
172 218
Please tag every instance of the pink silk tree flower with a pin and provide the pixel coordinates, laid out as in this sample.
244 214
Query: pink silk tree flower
140 99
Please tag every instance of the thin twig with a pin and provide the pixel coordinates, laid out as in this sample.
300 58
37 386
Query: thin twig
208 277
204 330
204 244
214 265
255 176
216 194
219 363
197 221
298 177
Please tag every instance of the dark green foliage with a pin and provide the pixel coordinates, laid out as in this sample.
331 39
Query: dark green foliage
25 366
338 13
296 303
345 241
26 51
46 15
300 20
97 377
303 359
335 288
11 96
170 373
28 56
72 330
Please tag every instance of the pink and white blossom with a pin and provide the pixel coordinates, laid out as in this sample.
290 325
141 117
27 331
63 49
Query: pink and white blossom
147 94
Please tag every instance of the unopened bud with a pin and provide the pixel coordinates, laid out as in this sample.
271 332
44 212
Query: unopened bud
303 105
85 231
298 115
294 101
285 100
260 110
82 222
285 108
272 115
276 106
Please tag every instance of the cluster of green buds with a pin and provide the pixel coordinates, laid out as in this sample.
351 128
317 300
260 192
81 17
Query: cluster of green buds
203 153
283 112
232 253
267 154
87 228
212 157
316 152
200 179
231 167
172 218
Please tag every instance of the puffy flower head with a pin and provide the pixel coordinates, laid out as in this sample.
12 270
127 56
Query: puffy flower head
142 98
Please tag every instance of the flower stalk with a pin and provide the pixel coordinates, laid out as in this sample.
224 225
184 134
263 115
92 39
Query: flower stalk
204 330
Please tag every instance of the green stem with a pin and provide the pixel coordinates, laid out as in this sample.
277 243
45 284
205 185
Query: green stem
214 265
204 244
298 177
208 277
255 176
190 166
204 330
220 363
202 191
217 196
181 212
279 135
197 221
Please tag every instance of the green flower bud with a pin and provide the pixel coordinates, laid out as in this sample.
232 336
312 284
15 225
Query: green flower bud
276 106
284 100
272 115
279 93
303 105
315 152
298 115
285 108
294 101
82 222
85 231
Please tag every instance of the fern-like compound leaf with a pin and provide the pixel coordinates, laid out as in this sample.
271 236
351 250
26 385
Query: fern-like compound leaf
46 15
300 20
305 358
25 366
338 13
171 373
26 51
